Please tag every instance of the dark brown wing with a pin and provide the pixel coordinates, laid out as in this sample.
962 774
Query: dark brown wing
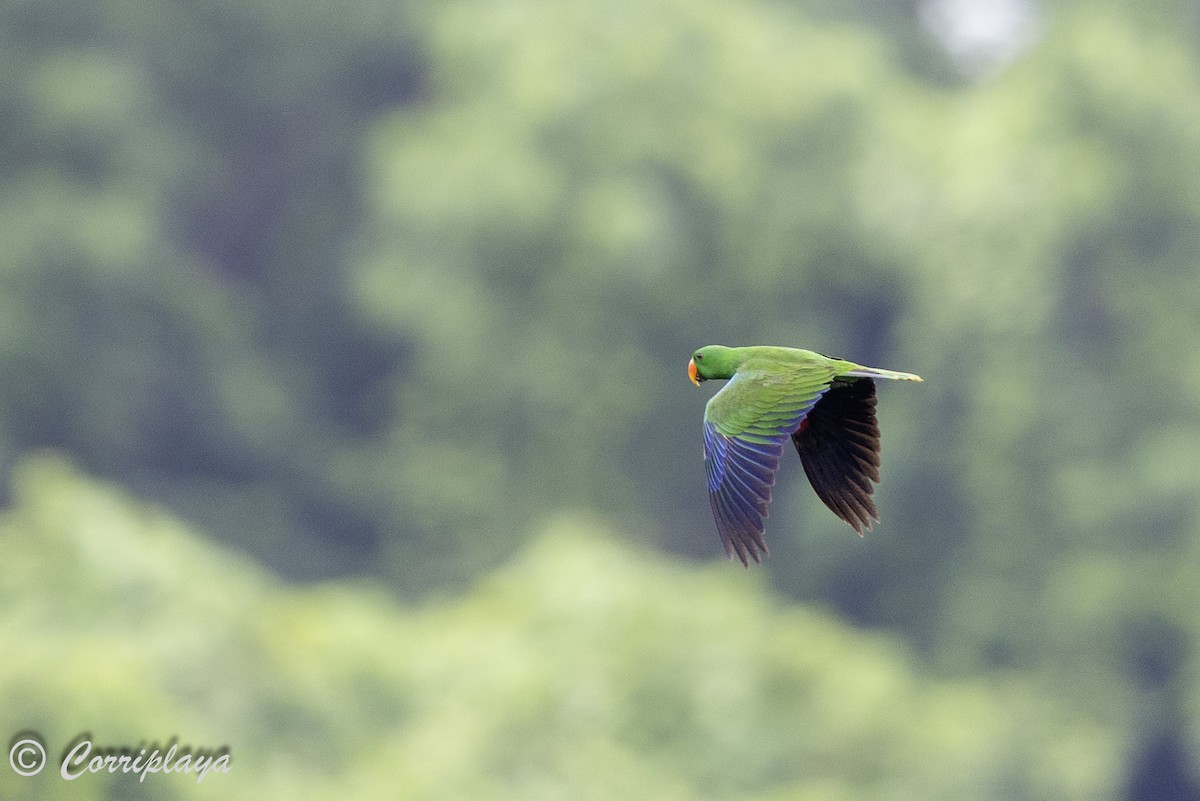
838 445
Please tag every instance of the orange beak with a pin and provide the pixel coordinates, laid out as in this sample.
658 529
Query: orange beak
692 374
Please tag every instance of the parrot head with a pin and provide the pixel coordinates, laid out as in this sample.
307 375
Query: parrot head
712 361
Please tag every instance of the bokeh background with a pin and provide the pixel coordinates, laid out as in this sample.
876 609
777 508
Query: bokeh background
344 419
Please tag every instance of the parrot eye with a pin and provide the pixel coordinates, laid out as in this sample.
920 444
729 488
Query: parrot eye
699 357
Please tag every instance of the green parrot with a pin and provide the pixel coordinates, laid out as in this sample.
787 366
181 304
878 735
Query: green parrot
825 406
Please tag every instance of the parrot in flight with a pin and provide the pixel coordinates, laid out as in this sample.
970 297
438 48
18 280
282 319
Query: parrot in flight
826 407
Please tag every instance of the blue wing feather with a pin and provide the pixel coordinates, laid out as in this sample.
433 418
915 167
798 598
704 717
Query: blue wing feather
740 480
741 472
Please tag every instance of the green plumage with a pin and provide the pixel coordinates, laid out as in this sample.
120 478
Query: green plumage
825 406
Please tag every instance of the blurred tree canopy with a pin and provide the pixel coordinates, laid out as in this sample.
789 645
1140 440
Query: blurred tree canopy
378 291
585 669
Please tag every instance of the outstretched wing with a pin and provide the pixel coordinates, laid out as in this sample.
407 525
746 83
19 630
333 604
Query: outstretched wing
746 427
740 477
839 448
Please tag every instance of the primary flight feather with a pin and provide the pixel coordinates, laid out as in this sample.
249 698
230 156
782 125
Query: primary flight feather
825 406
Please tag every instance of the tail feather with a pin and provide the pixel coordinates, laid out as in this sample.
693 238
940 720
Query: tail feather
877 372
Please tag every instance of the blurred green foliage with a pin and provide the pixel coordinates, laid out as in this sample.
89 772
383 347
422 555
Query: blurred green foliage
380 294
585 669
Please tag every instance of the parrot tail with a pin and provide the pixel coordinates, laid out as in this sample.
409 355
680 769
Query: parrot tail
877 372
